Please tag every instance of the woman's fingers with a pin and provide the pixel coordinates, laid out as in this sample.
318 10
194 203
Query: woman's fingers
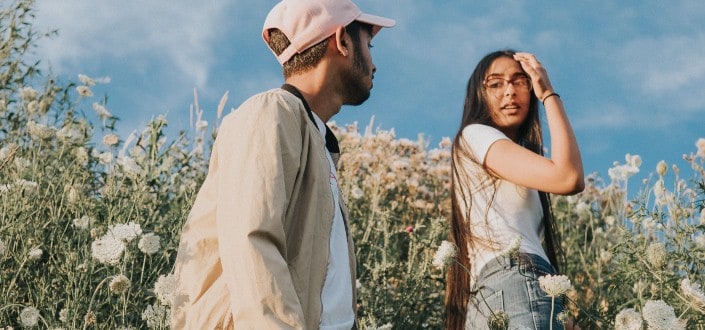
536 71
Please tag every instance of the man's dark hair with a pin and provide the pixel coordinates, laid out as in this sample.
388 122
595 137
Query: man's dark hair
310 57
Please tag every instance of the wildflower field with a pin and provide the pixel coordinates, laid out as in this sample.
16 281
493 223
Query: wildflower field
90 220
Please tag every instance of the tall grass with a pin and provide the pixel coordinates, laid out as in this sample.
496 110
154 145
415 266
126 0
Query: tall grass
90 221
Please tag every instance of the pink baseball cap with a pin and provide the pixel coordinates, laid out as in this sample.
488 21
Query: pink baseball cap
308 22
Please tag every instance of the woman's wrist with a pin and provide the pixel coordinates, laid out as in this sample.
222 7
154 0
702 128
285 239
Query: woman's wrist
543 100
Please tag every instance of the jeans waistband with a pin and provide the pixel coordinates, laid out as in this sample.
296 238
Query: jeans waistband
519 261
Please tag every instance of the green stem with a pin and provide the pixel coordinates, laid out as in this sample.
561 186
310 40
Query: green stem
95 292
14 278
550 321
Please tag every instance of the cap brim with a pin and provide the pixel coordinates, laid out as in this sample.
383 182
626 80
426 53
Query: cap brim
378 22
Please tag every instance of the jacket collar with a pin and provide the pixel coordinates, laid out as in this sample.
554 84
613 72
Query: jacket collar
331 140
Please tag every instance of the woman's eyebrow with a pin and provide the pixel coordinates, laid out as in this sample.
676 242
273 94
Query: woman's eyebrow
513 75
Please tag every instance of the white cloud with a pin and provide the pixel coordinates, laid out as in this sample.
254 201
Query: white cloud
665 64
606 116
670 69
181 33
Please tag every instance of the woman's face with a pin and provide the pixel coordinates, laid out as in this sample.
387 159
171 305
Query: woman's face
507 90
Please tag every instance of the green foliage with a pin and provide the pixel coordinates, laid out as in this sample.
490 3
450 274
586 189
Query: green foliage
81 209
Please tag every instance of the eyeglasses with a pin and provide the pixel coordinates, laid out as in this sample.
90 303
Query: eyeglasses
498 85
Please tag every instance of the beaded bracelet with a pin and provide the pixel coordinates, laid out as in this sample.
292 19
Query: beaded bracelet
549 95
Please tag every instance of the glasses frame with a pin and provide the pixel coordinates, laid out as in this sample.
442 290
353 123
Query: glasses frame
506 82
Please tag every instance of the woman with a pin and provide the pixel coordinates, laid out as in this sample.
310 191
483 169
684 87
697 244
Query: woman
501 220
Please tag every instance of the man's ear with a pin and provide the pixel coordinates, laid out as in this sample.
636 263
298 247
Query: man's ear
342 41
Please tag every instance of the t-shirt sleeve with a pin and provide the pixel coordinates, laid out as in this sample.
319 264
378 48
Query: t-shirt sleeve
480 137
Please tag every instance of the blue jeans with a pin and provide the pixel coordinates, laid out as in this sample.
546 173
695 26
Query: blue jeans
508 288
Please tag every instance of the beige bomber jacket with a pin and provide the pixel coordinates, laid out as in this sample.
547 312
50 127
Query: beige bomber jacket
254 251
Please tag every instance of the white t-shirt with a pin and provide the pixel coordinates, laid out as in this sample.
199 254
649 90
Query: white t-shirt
514 212
336 298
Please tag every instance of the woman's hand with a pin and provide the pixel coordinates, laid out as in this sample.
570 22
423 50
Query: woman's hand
562 173
537 73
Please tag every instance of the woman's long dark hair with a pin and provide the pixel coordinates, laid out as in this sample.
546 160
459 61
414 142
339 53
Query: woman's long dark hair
476 111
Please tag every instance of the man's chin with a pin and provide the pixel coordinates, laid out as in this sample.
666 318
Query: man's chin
358 101
358 98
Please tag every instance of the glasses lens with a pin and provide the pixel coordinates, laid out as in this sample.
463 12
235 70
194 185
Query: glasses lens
499 85
495 83
521 82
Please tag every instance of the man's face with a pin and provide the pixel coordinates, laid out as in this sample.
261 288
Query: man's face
357 79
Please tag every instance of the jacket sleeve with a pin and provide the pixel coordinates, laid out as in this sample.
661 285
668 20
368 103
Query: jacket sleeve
258 150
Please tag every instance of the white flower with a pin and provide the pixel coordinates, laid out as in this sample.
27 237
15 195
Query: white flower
401 164
33 107
86 80
701 147
103 113
583 209
445 142
554 285
435 154
108 249
357 193
83 222
40 131
406 143
156 316
81 155
633 160
149 243
161 120
84 91
700 241
657 255
29 317
129 165
6 150
64 315
26 184
661 168
201 125
694 291
22 163
35 254
628 319
562 317
72 195
119 284
513 247
386 326
110 140
661 195
28 93
105 158
605 256
164 288
125 232
622 172
68 133
90 319
639 287
445 255
659 315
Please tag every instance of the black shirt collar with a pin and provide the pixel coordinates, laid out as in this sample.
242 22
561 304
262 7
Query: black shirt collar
331 140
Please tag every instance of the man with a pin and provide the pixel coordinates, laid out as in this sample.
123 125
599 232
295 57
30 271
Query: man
267 243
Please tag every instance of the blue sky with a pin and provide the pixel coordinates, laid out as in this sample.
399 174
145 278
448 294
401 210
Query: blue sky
631 73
